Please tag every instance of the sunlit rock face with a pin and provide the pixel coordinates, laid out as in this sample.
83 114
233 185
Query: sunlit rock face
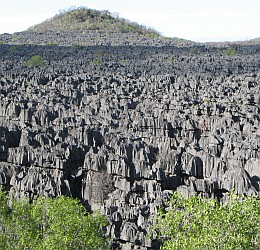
122 127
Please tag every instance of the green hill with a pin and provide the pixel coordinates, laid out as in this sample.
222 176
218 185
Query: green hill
82 18
87 27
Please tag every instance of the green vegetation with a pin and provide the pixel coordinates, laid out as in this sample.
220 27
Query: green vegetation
82 19
51 224
14 48
35 61
123 61
194 50
52 44
97 62
199 223
229 51
170 60
79 46
207 101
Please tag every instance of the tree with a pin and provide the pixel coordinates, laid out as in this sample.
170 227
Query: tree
199 223
36 61
229 51
59 223
4 209
67 226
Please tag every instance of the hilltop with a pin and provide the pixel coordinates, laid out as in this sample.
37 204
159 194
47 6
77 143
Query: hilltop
84 19
88 27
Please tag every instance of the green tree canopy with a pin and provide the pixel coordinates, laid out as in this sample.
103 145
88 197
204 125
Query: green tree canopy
60 223
229 51
36 60
198 223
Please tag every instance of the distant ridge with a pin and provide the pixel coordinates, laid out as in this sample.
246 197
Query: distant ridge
83 19
254 41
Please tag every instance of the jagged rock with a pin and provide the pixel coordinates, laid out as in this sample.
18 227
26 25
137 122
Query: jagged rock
121 128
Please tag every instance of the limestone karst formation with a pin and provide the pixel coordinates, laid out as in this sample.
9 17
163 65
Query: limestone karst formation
123 126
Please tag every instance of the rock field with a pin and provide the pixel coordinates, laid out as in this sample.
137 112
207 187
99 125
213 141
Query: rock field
90 38
122 127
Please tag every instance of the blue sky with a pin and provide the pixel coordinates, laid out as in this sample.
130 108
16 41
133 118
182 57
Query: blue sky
197 20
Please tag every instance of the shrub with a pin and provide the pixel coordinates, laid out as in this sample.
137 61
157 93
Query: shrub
229 52
97 62
36 61
170 60
194 51
199 223
52 44
60 223
14 48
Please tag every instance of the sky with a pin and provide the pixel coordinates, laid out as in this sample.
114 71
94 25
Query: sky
196 20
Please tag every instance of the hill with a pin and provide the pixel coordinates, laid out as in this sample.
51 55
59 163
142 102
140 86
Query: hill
88 27
82 19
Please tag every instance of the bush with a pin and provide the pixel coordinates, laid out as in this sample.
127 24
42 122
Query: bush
36 61
60 223
198 223
52 44
229 52
97 62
